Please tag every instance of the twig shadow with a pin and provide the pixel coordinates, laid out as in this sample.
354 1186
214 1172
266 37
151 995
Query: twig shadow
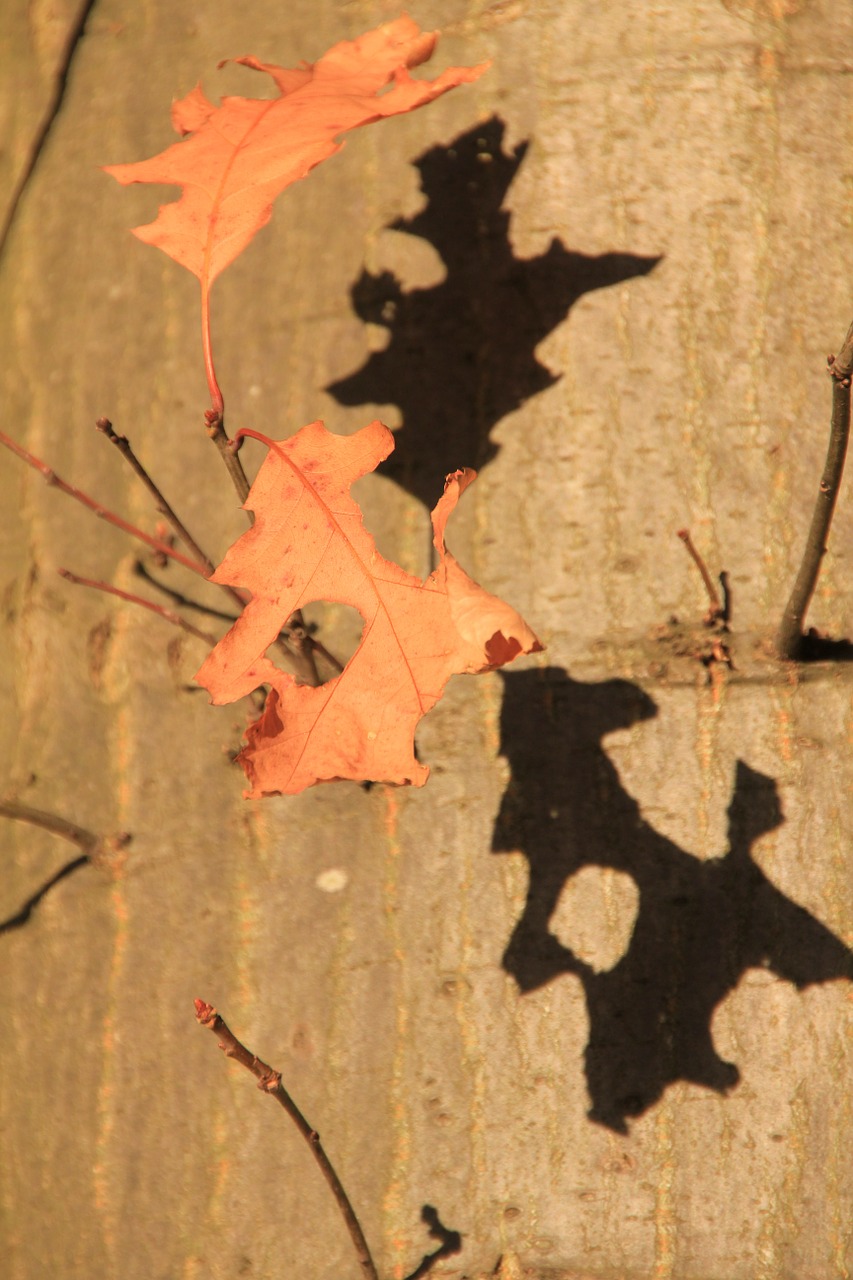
20 918
450 1243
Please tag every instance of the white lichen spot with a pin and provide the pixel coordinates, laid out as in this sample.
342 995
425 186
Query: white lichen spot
333 880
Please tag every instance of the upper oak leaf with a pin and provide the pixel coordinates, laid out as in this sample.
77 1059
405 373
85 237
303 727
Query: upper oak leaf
236 158
308 542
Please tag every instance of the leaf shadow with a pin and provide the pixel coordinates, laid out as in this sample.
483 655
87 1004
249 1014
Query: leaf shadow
700 924
461 354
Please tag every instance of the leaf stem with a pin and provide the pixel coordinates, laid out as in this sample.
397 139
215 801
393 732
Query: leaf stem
217 402
103 513
789 641
270 1082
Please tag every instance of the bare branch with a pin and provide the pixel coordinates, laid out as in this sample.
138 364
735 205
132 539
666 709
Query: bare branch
270 1082
215 427
789 641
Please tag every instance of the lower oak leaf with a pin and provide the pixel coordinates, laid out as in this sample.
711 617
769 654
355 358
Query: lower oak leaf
308 542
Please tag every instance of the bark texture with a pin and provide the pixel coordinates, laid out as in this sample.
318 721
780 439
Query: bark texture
588 994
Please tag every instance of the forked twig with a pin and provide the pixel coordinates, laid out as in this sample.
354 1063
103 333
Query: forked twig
270 1082
789 641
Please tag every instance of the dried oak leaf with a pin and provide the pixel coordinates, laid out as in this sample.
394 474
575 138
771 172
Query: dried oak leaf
236 158
308 543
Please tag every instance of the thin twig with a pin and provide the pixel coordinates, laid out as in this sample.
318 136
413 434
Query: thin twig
789 642
716 609
298 651
102 512
85 840
124 447
270 1082
167 614
322 652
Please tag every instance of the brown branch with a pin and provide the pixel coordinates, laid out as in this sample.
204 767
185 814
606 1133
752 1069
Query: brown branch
167 614
716 610
215 427
103 513
789 641
270 1082
297 649
85 840
322 652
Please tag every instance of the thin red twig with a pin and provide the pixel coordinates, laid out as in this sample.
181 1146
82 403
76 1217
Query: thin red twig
102 512
716 609
169 616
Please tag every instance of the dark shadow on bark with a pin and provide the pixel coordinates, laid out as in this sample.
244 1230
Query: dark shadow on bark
21 917
700 923
450 1242
462 354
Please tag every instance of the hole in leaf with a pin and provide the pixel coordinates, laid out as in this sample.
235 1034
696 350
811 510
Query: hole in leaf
336 628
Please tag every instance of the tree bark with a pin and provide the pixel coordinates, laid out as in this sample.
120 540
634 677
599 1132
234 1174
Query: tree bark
587 994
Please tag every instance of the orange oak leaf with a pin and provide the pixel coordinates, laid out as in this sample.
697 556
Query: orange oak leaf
236 158
308 543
